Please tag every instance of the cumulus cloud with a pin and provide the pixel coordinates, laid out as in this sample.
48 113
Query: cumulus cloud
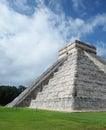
29 44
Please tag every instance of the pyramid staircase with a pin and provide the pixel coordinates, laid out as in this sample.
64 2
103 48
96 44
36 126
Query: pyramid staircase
30 93
77 81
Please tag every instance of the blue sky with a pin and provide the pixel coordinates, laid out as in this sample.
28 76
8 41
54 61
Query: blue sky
32 32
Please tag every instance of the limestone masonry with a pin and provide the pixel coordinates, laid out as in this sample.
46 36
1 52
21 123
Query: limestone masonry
76 81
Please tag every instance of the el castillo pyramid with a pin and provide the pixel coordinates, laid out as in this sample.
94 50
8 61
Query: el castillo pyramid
76 81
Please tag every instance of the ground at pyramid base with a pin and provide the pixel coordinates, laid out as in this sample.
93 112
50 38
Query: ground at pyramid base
75 82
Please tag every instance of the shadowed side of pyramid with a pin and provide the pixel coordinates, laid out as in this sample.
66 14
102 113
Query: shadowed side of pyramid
90 82
77 81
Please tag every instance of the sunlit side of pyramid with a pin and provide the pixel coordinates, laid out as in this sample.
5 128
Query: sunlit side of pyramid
76 81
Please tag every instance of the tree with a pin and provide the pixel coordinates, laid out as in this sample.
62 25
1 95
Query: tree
8 93
21 88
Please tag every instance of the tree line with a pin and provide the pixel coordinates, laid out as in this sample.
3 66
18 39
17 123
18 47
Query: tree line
8 93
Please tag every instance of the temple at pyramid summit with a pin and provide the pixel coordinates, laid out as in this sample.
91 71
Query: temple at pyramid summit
76 81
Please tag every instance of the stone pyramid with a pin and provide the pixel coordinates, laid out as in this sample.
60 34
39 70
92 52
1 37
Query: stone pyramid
76 81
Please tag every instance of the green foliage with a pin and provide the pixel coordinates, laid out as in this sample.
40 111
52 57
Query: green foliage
30 119
8 93
21 89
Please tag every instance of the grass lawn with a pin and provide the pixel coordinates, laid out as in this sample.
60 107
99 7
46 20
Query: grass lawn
29 119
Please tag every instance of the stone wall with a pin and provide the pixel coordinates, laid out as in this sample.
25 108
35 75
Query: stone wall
58 94
90 83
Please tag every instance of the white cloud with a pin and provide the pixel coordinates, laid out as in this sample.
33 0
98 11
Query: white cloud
90 25
78 5
56 4
22 4
28 45
101 48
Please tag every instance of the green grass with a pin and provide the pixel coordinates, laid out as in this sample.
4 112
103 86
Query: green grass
29 119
